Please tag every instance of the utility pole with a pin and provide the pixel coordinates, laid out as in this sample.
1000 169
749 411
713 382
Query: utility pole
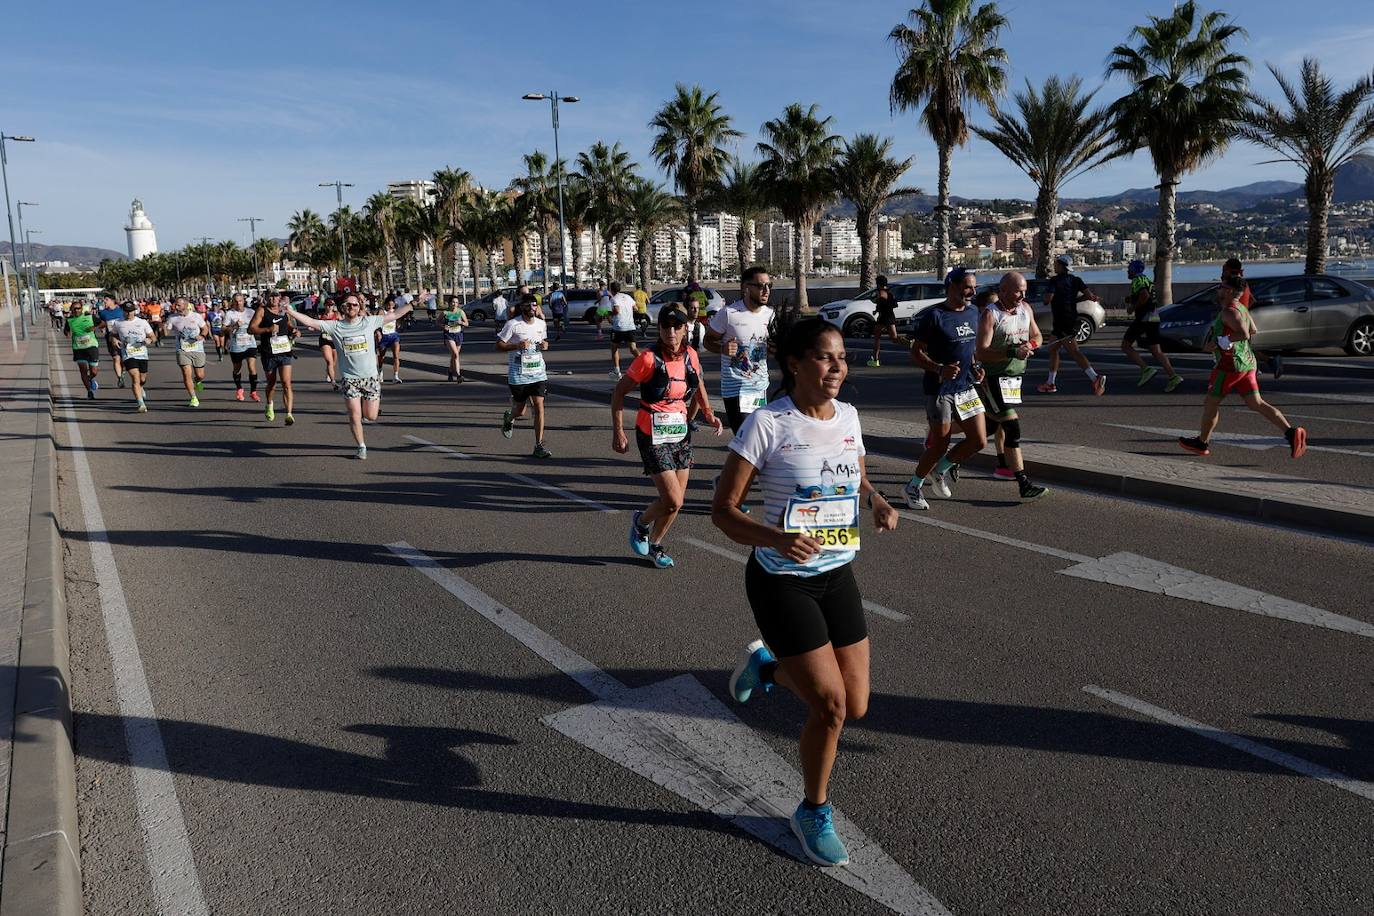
9 215
205 241
554 98
338 187
252 222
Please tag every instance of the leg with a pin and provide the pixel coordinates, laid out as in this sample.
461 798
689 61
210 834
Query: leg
936 446
538 419
815 677
136 378
458 359
1054 360
1078 356
1163 359
615 354
271 384
663 511
372 409
518 409
355 418
975 438
252 373
1211 410
1128 347
877 341
187 381
288 396
396 359
1271 413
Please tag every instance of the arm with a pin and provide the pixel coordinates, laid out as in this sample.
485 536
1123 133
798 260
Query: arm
619 442
1036 338
1236 329
311 323
884 516
1086 294
254 327
984 351
703 403
396 314
732 488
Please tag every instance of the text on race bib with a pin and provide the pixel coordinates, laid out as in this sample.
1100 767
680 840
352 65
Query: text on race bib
832 520
967 404
669 428
388 327
280 344
243 339
191 345
135 351
531 361
83 341
1011 389
355 344
750 401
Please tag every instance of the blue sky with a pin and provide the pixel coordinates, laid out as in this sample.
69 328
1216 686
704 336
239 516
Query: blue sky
214 112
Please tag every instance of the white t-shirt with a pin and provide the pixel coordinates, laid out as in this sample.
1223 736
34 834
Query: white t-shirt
803 459
498 305
744 375
622 312
526 365
187 329
236 324
132 333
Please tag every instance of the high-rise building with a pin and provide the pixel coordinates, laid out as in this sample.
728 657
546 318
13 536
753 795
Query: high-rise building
840 241
416 189
140 235
775 243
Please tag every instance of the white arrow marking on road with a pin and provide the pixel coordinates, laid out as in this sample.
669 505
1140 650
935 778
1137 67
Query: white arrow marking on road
1241 440
1245 745
679 736
437 447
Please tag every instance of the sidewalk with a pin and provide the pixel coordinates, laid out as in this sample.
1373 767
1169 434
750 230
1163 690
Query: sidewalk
41 871
1324 507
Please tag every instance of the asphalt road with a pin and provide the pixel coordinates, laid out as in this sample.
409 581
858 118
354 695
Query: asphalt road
343 735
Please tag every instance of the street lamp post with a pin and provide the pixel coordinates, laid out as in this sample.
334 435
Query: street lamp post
30 274
14 252
554 98
205 241
252 222
338 187
33 271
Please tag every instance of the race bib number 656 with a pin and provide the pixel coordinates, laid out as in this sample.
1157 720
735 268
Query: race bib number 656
832 520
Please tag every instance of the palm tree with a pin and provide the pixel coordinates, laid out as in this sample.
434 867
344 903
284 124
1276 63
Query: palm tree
798 171
453 188
648 208
1055 139
607 170
864 176
691 129
537 187
267 253
1320 131
515 217
578 212
741 194
949 59
305 228
410 240
380 209
1187 95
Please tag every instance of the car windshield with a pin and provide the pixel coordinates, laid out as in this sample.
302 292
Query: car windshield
667 295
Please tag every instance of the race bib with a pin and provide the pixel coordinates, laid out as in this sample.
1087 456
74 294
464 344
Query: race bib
531 361
191 345
280 344
967 403
750 401
832 520
1011 389
388 328
135 351
356 344
243 339
669 428
83 341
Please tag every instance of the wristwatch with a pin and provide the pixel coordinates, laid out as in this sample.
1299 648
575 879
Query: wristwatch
873 493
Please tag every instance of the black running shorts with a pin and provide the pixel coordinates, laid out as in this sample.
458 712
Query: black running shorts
797 614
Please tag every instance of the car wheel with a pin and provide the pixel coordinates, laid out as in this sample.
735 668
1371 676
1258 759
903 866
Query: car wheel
1084 330
1360 341
478 315
859 326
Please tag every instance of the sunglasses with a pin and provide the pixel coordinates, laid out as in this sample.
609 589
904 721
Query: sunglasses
760 285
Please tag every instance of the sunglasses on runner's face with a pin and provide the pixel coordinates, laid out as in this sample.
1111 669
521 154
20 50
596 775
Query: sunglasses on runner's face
759 285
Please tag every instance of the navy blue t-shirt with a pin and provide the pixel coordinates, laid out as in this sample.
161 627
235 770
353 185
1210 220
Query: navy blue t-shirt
949 336
1066 290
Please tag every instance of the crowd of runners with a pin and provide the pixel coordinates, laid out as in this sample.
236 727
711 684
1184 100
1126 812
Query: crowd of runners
793 439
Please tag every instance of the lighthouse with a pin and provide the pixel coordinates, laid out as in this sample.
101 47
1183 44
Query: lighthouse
142 238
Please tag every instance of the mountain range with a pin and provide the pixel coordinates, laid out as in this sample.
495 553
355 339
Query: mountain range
75 255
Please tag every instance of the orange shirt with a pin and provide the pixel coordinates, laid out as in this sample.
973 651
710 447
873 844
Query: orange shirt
642 370
154 311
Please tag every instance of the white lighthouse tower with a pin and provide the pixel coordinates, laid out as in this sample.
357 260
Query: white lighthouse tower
142 238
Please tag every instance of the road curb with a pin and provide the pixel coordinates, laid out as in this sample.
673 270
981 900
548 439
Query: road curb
42 862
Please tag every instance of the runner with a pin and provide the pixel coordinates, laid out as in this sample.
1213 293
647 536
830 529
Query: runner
1007 337
500 309
330 312
215 316
108 313
603 307
668 374
1234 370
237 320
389 339
558 304
58 316
432 305
1273 359
739 333
943 344
1064 294
84 330
352 335
641 298
885 319
189 330
134 334
452 320
155 310
1144 327
622 327
807 451
276 335
526 339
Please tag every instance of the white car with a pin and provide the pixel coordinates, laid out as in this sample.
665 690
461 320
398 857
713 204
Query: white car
714 303
855 317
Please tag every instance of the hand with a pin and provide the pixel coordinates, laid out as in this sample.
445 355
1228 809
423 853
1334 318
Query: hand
619 442
799 548
543 344
950 372
717 426
978 373
730 349
1024 351
884 516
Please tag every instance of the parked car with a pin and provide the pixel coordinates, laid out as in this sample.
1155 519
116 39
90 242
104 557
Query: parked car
856 318
1091 315
483 307
714 303
1292 313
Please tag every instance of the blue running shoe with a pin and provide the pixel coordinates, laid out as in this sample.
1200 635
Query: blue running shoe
746 678
639 536
95 386
815 828
660 557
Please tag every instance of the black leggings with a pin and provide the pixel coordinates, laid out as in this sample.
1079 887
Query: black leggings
238 359
796 614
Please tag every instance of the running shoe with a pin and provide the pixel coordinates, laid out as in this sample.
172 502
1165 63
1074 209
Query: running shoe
396 380
119 380
270 412
290 419
459 378
660 556
873 363
90 394
238 395
195 401
639 536
1146 374
1047 388
815 828
1194 445
508 423
142 408
361 453
200 385
253 395
1100 385
1278 366
450 377
1297 441
541 452
914 497
1173 383
1004 474
940 484
953 473
748 676
615 374
1031 491
95 386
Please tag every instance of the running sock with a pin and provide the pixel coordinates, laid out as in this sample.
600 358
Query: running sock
943 465
1001 460
238 379
768 671
1021 476
1050 380
253 381
1091 373
806 803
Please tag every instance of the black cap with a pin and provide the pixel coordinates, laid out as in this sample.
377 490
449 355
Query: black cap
1234 283
672 313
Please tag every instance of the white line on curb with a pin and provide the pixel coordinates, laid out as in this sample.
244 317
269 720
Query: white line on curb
1244 745
171 865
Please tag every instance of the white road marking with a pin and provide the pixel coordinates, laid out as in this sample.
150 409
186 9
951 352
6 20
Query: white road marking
438 448
167 845
1244 745
566 494
1309 416
1241 440
1344 398
995 538
679 736
872 607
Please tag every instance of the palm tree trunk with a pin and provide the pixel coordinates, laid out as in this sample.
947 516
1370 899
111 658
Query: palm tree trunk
544 252
642 253
1046 205
1319 193
693 242
743 250
576 245
1166 239
800 250
868 231
942 214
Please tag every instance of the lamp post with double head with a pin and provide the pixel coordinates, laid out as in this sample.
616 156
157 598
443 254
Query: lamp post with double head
9 216
30 275
338 187
252 222
33 271
554 98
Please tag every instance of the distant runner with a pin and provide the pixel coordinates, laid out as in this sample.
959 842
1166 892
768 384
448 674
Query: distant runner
524 340
1007 338
242 347
84 330
622 327
884 319
389 341
189 330
277 334
452 321
1144 327
108 313
1063 296
135 335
